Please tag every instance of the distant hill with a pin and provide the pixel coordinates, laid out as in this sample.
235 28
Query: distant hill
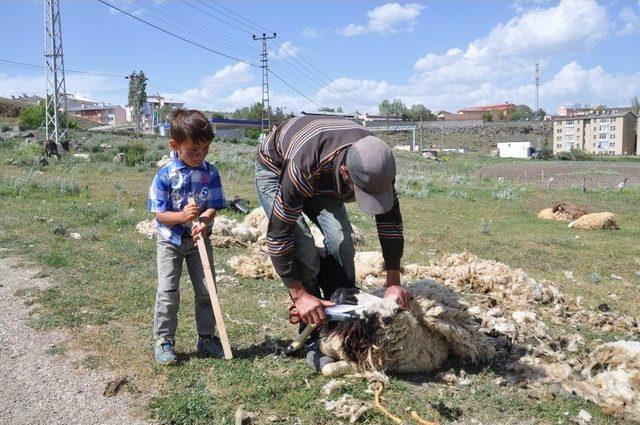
10 112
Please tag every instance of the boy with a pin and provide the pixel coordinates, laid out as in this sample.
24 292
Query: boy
186 175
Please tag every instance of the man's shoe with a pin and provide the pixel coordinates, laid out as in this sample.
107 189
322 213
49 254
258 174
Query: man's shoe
316 360
210 346
165 356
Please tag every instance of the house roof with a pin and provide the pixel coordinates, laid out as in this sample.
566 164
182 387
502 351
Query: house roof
91 108
486 108
587 117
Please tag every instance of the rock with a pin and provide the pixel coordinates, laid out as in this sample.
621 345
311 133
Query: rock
105 146
119 158
40 161
114 386
583 416
75 236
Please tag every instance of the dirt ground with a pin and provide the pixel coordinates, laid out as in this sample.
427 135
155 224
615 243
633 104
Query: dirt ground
567 174
41 383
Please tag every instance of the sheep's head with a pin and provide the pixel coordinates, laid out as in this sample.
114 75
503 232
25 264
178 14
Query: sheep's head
359 340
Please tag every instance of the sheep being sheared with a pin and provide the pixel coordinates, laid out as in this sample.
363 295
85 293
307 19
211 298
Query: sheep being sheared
417 340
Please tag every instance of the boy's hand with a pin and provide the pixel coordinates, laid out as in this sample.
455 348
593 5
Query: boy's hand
198 229
190 212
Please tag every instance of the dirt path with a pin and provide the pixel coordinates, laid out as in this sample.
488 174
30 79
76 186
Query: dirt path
38 385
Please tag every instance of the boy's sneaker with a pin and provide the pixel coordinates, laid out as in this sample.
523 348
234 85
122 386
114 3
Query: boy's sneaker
165 356
209 346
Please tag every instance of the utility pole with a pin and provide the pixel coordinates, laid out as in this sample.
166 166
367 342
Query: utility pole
266 113
537 81
55 85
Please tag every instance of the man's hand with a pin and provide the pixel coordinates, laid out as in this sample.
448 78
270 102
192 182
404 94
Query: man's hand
190 212
310 308
402 295
198 229
396 290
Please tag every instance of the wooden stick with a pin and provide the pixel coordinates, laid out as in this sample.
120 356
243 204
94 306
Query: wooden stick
210 278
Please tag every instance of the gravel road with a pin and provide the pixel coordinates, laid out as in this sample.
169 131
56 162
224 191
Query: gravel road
37 385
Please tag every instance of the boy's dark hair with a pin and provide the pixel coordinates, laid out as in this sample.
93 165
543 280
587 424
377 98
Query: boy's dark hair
190 124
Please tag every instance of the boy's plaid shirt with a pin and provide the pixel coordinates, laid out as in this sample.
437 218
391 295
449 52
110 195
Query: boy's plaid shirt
172 187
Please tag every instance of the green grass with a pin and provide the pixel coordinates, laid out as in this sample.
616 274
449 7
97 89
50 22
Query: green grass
105 282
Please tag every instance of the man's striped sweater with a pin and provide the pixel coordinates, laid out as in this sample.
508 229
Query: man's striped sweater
306 152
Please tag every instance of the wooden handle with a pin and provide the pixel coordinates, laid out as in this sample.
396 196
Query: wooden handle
298 341
210 278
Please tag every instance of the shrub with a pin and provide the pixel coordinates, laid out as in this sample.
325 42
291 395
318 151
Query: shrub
565 156
32 117
134 154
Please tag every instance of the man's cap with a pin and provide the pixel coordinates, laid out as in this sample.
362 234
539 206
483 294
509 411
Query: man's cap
372 169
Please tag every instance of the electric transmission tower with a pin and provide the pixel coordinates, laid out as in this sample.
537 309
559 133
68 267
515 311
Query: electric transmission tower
266 111
537 81
56 88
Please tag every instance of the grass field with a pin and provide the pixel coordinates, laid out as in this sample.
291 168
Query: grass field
106 280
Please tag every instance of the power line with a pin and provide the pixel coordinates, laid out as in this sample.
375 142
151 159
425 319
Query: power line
202 31
215 17
294 89
178 36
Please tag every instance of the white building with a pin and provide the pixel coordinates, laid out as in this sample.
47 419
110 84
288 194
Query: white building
515 149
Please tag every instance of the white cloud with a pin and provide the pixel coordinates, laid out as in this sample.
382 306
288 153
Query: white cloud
386 19
630 21
310 32
97 87
286 50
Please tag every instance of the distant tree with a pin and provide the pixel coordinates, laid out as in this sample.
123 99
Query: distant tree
137 93
487 116
253 112
539 114
339 109
215 114
635 106
520 113
420 112
384 108
326 109
600 108
164 113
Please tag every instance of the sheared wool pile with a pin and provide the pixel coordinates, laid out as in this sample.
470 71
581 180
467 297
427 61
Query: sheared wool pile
420 339
257 265
348 407
369 269
596 221
467 271
227 232
612 378
147 228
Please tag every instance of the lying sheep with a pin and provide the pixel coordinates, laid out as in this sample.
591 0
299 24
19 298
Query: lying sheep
596 221
417 340
562 211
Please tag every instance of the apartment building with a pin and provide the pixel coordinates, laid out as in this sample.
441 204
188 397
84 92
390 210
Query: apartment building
610 132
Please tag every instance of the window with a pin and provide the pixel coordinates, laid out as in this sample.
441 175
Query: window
568 138
611 145
559 138
559 146
612 128
612 136
568 123
559 130
604 128
594 136
568 146
602 136
604 120
594 144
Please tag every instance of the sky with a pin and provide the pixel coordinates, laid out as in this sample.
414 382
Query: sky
349 54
